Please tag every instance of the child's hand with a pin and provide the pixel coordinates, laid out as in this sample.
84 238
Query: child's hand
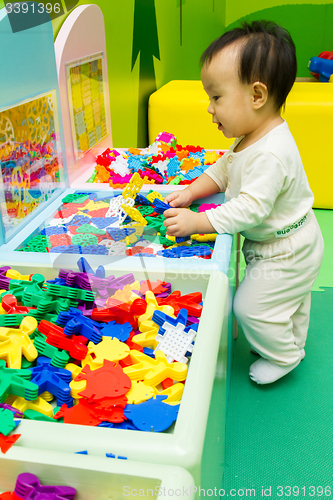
181 198
181 221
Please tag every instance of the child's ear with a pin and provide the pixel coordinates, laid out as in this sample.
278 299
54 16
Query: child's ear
259 95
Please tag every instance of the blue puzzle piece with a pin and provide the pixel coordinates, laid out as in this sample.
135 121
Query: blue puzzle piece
192 174
173 167
160 206
79 220
160 318
127 424
52 379
152 415
65 249
141 200
119 234
178 252
105 424
149 352
57 281
48 231
95 250
115 330
134 164
144 255
103 222
85 267
80 326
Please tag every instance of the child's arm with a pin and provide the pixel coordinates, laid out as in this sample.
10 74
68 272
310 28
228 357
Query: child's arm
201 187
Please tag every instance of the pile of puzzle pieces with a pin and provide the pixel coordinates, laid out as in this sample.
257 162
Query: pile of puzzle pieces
93 350
127 224
28 487
163 162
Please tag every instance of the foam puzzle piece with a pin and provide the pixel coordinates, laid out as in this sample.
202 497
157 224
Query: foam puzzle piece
108 381
7 422
110 349
115 330
6 442
152 306
153 415
16 342
28 487
80 414
153 371
39 405
140 392
52 379
172 339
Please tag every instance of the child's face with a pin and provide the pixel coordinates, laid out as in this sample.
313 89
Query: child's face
230 100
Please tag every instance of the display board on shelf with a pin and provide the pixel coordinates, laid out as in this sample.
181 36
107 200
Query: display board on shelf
86 96
31 169
81 59
32 165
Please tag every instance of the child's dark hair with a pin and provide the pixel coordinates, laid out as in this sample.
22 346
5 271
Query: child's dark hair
267 54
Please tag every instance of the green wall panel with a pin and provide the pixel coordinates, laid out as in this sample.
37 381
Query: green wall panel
234 10
309 25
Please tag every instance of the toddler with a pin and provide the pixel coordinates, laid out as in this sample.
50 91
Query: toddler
248 73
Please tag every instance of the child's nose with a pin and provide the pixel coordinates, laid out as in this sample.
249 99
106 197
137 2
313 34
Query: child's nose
210 109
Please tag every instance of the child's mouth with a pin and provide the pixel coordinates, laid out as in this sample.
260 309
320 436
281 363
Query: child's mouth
220 126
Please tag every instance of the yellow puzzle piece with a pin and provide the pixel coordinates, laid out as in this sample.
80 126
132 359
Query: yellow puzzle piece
38 404
110 348
134 214
15 275
16 342
154 194
133 187
203 237
211 157
147 338
139 392
174 393
152 306
154 371
127 294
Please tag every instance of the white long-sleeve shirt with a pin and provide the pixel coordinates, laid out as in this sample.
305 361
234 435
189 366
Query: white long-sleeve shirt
265 185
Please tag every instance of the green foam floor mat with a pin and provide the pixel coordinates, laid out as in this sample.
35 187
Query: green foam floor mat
282 434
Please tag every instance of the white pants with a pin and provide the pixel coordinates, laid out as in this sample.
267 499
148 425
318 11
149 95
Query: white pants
272 303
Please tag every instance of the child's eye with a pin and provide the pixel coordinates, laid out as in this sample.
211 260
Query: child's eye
216 97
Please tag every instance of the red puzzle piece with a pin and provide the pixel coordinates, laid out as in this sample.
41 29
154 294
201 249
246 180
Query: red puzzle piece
8 496
100 212
190 302
80 414
6 442
121 312
111 409
64 213
109 381
156 287
61 341
9 303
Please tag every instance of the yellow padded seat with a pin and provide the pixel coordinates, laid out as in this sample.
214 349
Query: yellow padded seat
180 107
